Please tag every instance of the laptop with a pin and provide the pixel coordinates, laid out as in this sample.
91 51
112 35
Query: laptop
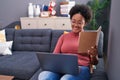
60 63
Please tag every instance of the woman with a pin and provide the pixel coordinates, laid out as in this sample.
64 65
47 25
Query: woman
80 15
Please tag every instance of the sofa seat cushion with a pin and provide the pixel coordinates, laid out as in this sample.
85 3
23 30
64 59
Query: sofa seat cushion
35 76
99 72
21 64
32 40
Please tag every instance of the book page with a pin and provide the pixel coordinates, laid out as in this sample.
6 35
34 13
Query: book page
88 39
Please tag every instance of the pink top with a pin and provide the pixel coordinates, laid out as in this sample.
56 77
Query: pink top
68 44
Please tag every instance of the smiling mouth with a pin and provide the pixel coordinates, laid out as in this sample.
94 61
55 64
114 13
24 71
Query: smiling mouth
77 28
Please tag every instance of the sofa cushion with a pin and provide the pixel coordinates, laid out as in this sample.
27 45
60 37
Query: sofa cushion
20 64
2 36
99 72
9 32
8 35
32 40
5 48
35 76
100 45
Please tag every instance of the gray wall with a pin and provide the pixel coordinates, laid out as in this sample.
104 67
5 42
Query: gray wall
12 10
113 61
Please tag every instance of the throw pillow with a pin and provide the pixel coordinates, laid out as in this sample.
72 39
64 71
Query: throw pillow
5 48
65 32
2 36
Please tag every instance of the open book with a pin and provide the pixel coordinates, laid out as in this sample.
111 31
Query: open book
88 39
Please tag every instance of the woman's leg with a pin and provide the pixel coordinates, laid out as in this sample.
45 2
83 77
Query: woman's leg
47 75
83 75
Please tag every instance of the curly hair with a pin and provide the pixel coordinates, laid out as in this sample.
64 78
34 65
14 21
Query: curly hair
84 10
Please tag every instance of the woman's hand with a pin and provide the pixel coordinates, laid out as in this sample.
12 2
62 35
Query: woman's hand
93 53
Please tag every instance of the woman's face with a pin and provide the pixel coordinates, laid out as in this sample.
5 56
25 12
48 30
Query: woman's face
77 23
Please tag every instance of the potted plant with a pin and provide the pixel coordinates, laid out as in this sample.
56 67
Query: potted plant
97 7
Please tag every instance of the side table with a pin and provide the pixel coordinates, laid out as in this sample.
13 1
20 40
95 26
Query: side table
4 77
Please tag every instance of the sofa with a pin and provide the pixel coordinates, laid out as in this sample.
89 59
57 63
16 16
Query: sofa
23 63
